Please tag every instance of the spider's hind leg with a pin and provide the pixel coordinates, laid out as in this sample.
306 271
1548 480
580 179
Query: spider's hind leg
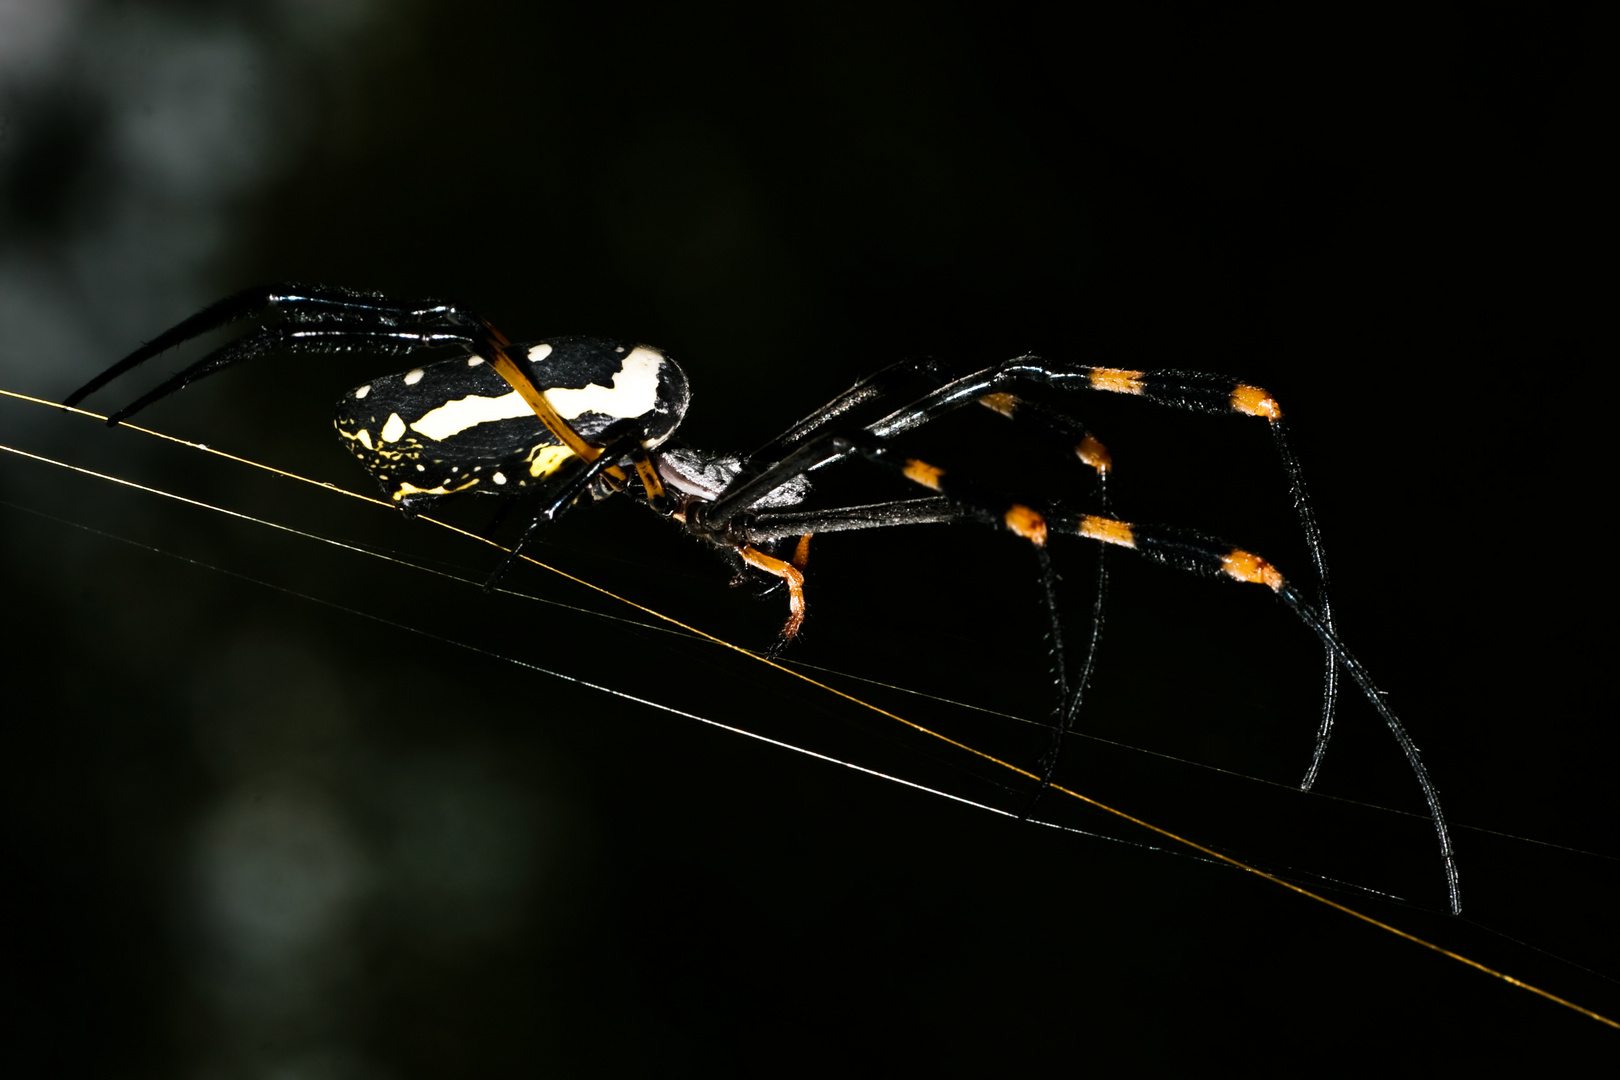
298 318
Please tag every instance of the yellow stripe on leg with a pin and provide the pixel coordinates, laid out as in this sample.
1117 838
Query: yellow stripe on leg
1247 566
923 473
1253 401
1026 523
1094 453
1116 380
1107 530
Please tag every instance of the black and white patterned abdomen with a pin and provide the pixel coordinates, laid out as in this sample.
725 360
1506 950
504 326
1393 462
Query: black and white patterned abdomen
457 425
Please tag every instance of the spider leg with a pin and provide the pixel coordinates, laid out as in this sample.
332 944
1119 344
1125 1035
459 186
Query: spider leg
1061 427
291 302
881 384
941 510
907 375
790 575
1202 554
1184 549
238 306
762 528
730 512
287 339
806 454
1188 390
758 481
978 504
621 442
1324 605
989 386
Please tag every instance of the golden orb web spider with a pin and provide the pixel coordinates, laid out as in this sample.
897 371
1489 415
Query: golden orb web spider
568 416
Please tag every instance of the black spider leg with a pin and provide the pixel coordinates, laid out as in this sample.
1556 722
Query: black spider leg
1177 389
337 320
1062 711
881 384
1187 390
1317 620
1059 426
1182 549
316 340
761 528
976 503
728 517
1324 606
624 440
1202 554
497 519
783 525
1054 425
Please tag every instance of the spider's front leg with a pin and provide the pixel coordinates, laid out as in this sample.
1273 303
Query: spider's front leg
828 436
1173 388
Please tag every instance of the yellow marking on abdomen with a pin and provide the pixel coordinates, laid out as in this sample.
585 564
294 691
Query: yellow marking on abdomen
1116 380
545 460
1246 566
1026 523
1107 530
1253 401
923 473
406 488
362 436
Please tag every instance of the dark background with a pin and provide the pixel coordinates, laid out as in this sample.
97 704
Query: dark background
252 833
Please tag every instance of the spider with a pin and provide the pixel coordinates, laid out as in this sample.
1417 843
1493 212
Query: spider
571 416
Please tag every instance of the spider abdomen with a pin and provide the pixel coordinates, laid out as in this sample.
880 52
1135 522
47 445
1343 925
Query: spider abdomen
457 425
